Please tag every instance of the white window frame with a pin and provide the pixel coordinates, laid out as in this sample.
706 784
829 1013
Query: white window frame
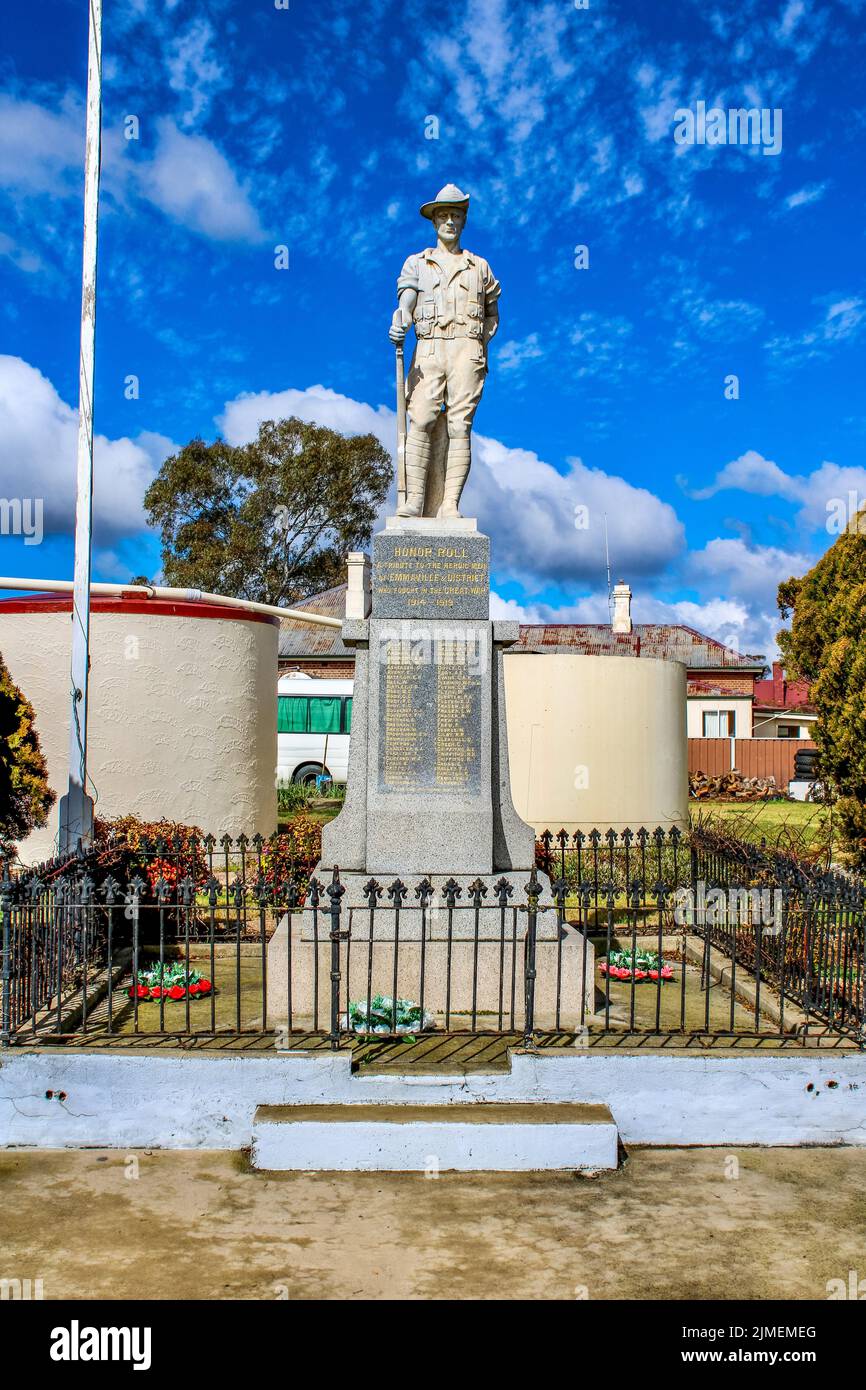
716 714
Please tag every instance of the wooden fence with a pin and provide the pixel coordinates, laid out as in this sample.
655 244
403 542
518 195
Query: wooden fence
753 757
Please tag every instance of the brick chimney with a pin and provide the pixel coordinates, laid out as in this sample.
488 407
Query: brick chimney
621 621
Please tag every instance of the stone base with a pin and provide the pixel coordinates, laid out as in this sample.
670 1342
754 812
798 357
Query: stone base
433 525
355 909
462 969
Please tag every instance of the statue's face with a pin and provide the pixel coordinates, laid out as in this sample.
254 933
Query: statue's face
449 223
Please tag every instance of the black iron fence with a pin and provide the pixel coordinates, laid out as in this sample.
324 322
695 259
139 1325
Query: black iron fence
646 935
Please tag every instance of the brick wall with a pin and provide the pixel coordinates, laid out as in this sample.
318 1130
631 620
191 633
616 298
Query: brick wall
322 670
720 685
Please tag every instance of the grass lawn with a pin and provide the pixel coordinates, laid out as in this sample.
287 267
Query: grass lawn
796 825
322 810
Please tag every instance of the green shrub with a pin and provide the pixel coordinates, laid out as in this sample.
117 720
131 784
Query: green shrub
25 796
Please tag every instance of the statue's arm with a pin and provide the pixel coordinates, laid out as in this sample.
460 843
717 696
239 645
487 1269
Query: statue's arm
492 291
491 323
408 284
403 315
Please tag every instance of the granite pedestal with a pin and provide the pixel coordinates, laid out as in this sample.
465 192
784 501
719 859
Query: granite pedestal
428 794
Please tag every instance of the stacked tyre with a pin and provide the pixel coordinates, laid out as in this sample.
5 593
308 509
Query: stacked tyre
806 764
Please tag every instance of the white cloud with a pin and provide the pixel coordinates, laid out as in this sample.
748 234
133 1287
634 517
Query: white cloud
191 181
538 535
748 617
21 256
658 116
193 69
747 573
730 621
600 342
240 420
844 321
810 194
41 151
791 17
751 472
40 432
189 178
527 506
509 610
591 608
690 303
512 355
815 492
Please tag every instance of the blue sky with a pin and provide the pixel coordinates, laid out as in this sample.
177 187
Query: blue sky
308 127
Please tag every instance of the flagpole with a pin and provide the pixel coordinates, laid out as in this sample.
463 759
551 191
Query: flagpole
76 807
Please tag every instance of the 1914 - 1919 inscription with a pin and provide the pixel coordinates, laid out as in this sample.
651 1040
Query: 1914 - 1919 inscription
429 718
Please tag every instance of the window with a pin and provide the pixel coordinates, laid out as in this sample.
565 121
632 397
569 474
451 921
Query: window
292 714
789 731
325 714
720 723
313 714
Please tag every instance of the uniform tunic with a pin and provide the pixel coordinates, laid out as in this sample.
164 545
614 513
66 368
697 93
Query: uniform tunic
455 296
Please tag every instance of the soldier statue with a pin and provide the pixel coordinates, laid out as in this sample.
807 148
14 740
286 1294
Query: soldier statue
452 297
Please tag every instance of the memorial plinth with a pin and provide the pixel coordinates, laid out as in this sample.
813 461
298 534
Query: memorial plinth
428 791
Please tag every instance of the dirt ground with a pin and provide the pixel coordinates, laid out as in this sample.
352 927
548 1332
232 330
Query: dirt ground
671 1223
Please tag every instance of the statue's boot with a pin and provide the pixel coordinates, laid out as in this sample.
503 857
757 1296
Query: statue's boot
417 464
456 473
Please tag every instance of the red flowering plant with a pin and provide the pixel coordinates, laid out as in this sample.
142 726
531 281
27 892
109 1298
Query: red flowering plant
638 965
126 848
156 850
170 981
290 857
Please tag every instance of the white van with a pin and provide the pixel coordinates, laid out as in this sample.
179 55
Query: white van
314 719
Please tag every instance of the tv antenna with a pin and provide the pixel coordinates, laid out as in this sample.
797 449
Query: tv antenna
607 566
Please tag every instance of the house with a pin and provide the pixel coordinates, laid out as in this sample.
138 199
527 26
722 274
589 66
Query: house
720 682
783 708
316 651
595 740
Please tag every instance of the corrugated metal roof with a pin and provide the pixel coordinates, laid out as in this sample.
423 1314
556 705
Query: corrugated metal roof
671 642
668 641
308 639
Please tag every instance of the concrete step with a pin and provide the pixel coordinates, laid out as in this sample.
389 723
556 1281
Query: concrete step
462 1137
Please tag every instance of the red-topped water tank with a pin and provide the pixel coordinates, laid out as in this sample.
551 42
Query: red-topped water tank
183 713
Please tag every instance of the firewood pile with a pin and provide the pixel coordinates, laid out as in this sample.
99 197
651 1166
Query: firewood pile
733 786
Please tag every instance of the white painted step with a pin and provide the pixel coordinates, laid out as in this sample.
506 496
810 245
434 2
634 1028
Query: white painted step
463 1137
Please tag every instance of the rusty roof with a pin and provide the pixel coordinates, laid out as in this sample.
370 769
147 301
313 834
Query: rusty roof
308 639
669 641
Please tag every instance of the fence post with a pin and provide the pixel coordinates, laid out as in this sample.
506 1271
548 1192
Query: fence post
533 892
335 893
5 1004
